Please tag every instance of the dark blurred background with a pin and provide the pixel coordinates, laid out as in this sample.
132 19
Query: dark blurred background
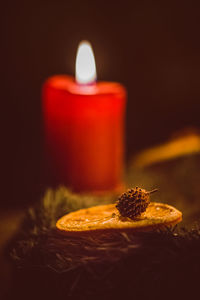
152 47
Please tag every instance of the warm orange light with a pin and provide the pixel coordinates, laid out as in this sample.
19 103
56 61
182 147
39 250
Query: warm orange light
85 64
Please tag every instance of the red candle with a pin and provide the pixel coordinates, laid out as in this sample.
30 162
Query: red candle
84 127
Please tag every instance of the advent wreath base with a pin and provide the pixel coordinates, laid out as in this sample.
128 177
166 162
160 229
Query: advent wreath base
152 265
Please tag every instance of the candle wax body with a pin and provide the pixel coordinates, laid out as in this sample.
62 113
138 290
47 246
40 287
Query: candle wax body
84 132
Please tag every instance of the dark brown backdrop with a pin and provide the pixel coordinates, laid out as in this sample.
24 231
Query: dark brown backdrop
153 47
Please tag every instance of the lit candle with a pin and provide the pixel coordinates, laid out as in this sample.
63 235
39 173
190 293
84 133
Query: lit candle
84 127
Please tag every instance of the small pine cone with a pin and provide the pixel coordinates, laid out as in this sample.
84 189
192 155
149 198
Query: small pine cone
133 203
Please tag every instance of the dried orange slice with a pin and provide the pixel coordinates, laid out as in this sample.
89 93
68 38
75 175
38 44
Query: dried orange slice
106 218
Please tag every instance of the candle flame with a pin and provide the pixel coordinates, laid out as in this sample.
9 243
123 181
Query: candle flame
85 64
